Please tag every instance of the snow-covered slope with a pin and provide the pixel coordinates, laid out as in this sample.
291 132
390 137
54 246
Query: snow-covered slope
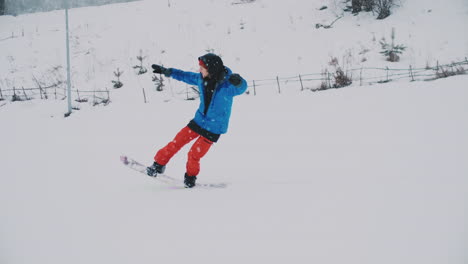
371 174
364 175
259 40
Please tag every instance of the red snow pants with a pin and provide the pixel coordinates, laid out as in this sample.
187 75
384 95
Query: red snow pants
197 151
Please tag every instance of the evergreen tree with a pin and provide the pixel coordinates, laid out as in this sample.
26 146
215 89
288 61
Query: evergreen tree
356 6
27 6
391 50
2 7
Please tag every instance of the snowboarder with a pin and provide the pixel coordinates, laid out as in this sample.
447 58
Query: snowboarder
217 85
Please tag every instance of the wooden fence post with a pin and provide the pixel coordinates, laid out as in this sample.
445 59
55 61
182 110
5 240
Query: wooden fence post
24 92
1 94
108 95
78 95
40 92
387 74
411 73
360 77
45 92
302 85
144 95
279 88
254 88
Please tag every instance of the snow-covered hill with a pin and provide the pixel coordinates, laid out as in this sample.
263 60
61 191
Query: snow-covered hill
365 174
260 40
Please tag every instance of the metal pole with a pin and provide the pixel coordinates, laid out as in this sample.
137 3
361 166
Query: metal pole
68 62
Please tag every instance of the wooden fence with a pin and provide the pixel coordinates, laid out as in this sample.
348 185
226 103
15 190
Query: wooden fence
357 76
55 91
313 81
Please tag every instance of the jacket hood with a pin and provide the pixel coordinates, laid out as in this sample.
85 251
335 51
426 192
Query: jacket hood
214 65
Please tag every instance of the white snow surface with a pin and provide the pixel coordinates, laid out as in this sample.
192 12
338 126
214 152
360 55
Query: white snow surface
365 174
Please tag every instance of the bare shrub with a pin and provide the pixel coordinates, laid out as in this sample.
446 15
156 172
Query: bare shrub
324 85
340 77
383 7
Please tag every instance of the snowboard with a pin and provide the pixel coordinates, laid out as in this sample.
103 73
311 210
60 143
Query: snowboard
163 178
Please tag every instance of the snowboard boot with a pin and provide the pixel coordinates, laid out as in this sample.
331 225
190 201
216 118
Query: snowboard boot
155 169
189 181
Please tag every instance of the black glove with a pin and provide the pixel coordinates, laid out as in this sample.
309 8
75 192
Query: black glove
235 79
161 69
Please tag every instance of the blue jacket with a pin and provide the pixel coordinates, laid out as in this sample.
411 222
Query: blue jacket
217 117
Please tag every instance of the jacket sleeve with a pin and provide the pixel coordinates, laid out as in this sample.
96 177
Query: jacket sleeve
239 89
191 78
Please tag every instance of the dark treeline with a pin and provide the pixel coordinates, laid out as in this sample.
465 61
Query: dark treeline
16 7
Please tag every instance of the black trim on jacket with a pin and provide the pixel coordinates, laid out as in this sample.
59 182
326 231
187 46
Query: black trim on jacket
209 87
203 132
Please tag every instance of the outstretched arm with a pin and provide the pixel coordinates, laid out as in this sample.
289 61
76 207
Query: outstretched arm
191 78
